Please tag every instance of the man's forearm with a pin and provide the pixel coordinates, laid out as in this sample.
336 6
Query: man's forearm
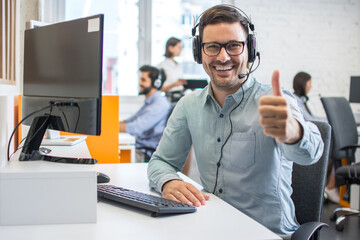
122 126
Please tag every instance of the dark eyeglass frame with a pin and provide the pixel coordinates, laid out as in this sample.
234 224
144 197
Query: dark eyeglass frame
224 45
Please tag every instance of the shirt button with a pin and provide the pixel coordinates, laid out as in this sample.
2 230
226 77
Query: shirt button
218 139
220 190
221 115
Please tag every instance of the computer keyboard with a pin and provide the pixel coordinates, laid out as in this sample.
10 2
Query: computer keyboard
154 204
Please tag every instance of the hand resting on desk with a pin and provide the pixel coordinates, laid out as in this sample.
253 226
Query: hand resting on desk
184 192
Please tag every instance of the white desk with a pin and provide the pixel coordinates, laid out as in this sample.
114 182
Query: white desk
215 220
127 142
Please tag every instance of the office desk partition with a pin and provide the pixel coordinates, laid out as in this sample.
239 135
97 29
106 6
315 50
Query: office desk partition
215 220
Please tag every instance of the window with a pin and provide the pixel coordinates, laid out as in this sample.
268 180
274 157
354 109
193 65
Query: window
7 42
177 23
121 21
135 33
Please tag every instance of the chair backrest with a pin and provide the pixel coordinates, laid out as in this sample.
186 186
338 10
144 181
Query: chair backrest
342 122
308 182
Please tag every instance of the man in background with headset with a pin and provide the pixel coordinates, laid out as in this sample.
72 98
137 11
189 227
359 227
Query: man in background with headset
148 123
246 135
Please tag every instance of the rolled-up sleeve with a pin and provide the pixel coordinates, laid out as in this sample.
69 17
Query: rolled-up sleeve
310 148
174 146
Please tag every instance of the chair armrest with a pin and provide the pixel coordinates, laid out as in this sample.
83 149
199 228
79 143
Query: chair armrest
353 146
147 148
307 230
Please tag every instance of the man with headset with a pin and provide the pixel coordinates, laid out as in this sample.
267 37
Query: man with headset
246 135
148 123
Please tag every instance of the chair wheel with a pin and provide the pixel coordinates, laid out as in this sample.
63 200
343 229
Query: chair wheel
339 227
333 217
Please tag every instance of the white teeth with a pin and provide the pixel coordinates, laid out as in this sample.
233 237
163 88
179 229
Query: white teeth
223 68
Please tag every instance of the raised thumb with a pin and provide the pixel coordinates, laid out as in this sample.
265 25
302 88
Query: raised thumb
275 82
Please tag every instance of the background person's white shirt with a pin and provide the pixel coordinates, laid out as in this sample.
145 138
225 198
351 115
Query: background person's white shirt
174 71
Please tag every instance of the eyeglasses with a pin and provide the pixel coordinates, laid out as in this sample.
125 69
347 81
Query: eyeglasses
233 48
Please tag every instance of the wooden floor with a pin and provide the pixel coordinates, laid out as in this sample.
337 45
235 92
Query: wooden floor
351 226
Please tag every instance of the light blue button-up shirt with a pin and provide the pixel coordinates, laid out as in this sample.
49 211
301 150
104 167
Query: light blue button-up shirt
148 123
255 171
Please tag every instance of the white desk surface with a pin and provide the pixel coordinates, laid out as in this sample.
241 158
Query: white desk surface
126 139
215 220
127 142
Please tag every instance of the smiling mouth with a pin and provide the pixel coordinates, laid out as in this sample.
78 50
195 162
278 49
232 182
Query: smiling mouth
223 68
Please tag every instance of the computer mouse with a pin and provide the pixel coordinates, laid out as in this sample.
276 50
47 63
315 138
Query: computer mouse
102 178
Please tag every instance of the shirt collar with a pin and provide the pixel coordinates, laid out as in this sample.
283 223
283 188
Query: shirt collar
238 95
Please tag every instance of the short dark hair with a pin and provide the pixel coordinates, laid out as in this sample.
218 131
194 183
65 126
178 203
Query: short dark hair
299 83
154 73
170 42
219 14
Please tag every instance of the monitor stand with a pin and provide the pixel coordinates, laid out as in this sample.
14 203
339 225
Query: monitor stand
30 150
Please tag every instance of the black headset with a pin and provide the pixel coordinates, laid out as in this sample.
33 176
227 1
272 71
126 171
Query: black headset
251 40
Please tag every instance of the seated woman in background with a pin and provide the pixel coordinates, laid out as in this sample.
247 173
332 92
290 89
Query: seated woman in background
302 86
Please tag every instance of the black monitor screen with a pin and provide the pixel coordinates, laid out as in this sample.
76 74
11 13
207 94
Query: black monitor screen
63 62
354 90
64 59
63 76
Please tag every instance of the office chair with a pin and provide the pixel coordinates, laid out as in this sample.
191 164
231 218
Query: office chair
308 183
345 143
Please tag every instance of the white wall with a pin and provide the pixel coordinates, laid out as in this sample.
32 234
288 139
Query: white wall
26 10
6 126
321 37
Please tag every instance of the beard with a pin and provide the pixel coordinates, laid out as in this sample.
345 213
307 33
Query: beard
145 91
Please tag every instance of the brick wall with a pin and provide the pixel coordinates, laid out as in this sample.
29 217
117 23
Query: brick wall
321 37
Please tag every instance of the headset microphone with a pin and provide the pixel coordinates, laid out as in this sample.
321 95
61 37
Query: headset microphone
242 75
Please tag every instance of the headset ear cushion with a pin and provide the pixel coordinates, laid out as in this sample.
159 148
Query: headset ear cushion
251 48
157 83
197 49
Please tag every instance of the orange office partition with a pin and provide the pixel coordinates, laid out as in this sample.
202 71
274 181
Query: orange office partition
17 119
104 148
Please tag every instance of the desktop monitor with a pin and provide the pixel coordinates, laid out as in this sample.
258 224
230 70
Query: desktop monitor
354 89
62 81
195 83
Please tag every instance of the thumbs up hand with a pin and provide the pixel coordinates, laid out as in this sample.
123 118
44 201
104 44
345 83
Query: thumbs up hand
276 117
